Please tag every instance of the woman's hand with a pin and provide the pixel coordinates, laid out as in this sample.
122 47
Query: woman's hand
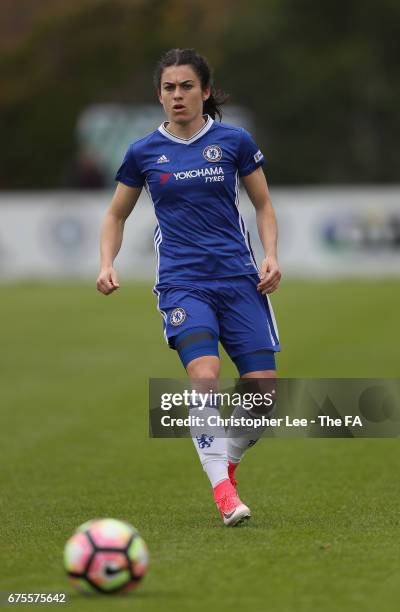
270 275
107 281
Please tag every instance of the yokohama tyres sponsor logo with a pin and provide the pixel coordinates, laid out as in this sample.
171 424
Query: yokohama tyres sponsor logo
200 172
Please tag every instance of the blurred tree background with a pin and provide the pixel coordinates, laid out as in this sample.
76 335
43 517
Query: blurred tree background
321 78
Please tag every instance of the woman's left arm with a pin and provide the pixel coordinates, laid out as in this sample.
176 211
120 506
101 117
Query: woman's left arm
257 190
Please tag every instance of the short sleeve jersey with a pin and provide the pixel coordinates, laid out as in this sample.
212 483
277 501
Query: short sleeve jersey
194 187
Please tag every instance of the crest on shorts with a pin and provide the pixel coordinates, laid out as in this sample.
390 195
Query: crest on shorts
177 316
212 153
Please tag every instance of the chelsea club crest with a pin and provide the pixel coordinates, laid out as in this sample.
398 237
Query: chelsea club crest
177 316
212 153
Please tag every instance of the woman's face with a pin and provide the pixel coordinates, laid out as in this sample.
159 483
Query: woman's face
181 94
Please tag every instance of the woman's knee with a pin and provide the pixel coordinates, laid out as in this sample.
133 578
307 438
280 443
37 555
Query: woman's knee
206 367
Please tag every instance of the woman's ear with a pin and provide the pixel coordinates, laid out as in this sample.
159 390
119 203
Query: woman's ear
206 93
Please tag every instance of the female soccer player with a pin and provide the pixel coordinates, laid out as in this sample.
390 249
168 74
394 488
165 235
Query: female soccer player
208 285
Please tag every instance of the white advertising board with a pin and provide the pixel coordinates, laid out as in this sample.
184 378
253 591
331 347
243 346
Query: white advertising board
323 232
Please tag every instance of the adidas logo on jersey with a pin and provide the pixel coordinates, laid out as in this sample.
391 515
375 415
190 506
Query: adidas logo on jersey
162 160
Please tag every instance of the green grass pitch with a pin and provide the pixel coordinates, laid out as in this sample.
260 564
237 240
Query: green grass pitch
74 445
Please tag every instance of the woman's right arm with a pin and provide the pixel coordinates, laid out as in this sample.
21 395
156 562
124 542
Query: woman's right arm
112 231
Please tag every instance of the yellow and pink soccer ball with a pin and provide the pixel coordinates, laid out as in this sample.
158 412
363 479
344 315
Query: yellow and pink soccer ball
106 556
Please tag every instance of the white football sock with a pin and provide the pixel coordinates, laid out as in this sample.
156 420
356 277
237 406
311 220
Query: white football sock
211 445
239 440
237 447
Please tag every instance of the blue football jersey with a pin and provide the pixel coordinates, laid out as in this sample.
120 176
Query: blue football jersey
194 187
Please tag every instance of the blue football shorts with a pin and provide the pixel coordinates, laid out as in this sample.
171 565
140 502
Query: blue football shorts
240 316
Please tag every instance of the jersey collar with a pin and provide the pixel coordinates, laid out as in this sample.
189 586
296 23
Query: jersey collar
187 141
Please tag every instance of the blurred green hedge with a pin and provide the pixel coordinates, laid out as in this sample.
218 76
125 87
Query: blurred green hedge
321 79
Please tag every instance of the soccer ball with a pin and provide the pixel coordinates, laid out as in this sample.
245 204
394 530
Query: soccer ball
106 556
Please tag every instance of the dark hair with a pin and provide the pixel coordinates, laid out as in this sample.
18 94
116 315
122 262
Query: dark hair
183 57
